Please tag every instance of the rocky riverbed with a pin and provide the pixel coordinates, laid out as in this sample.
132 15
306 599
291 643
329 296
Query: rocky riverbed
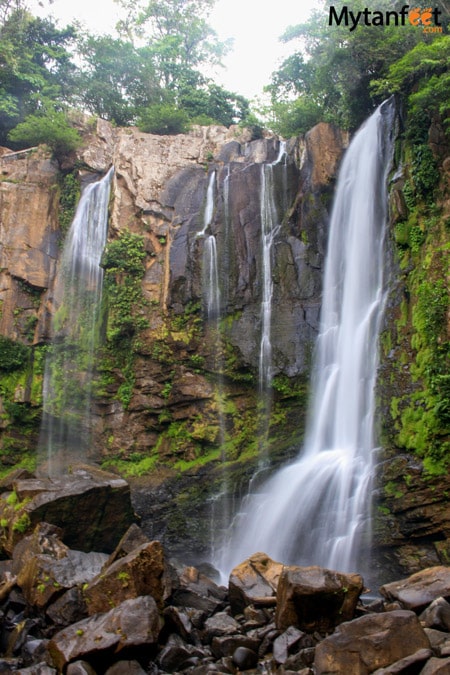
85 592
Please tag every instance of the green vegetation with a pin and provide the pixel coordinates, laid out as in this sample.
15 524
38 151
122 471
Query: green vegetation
13 355
51 128
47 71
123 262
338 75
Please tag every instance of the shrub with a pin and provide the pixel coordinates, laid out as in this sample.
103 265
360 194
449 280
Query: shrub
13 355
51 129
162 119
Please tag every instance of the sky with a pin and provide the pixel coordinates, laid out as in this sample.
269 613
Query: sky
254 25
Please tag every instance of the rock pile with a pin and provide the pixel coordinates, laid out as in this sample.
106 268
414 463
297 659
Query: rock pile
134 611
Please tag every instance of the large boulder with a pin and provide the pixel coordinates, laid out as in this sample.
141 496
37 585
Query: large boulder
420 589
141 572
316 599
254 582
46 568
134 623
370 642
92 508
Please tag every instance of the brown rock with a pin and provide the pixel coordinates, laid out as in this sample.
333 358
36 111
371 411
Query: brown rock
254 582
133 623
420 589
374 641
141 572
316 599
409 664
131 540
437 615
436 667
198 591
92 507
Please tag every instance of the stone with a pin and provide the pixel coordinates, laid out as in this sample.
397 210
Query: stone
134 623
408 664
220 624
68 608
80 668
290 641
245 658
437 615
131 540
141 572
420 589
43 578
176 654
254 582
198 591
370 642
92 507
38 669
436 666
179 621
227 645
316 599
126 667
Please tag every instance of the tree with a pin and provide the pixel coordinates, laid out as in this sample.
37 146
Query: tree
334 66
116 79
35 64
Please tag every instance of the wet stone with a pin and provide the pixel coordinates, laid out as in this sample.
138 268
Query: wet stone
245 658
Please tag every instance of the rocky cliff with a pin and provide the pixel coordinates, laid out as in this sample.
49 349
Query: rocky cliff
176 397
177 405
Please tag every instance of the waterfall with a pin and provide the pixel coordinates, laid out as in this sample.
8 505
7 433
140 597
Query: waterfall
269 228
317 509
67 390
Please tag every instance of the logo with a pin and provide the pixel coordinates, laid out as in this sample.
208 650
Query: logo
427 18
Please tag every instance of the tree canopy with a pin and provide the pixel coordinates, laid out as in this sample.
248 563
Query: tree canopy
331 75
156 71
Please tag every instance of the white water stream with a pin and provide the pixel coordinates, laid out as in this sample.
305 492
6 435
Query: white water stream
269 228
317 509
67 390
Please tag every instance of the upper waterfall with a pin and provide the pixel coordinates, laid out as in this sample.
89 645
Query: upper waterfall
314 511
65 430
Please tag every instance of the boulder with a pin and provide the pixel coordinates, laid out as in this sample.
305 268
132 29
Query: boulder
130 541
92 508
68 608
198 591
436 666
45 567
420 589
288 642
370 642
254 582
177 654
128 667
80 668
134 623
437 615
141 572
220 624
409 664
316 599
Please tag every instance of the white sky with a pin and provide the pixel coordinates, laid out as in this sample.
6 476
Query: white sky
255 26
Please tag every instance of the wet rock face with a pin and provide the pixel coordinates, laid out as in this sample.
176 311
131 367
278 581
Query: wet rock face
293 189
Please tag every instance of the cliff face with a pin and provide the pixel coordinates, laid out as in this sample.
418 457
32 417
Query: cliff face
177 406
176 397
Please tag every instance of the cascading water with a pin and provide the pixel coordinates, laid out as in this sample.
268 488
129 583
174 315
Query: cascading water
67 390
269 228
315 511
